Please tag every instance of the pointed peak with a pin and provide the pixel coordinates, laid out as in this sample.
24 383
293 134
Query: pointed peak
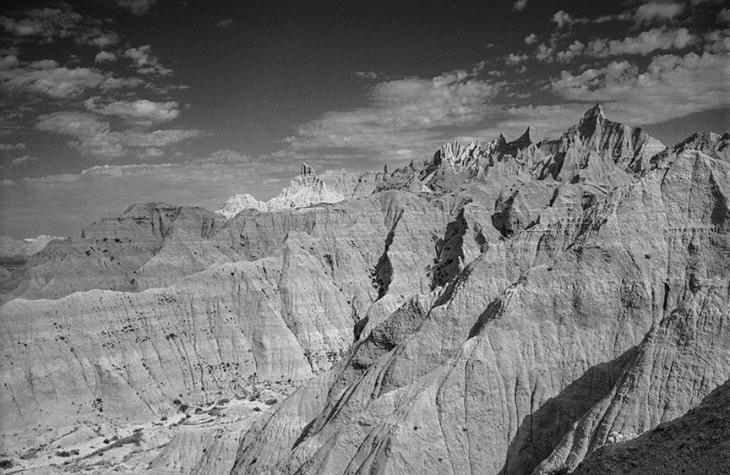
595 112
502 140
306 170
525 138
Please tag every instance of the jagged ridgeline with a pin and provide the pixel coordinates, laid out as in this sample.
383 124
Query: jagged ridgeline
504 307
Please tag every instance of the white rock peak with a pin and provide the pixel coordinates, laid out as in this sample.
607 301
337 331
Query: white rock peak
307 189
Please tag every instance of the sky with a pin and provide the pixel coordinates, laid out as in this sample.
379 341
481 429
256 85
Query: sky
106 103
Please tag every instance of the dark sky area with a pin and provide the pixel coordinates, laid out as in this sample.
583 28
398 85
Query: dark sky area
110 102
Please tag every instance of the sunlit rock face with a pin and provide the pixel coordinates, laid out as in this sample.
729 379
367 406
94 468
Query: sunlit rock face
502 307
305 190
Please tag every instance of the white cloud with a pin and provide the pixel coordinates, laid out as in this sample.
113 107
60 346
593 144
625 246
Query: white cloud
51 24
670 87
49 78
545 52
658 11
140 112
657 39
25 159
724 16
145 62
718 41
531 39
403 115
5 146
138 7
103 56
224 156
520 5
563 19
515 59
94 137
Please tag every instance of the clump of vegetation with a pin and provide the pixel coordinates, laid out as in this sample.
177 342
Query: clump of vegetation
67 453
223 401
183 407
270 402
6 463
176 402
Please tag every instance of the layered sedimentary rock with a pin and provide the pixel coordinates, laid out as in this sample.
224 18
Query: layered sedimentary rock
584 320
503 307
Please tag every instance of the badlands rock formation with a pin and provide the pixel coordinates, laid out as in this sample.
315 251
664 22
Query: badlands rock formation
504 307
305 190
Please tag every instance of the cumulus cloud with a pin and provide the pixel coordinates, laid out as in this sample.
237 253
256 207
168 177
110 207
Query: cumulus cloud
724 16
671 86
145 62
520 5
563 19
93 136
657 39
49 78
658 11
515 59
104 56
531 39
402 116
141 112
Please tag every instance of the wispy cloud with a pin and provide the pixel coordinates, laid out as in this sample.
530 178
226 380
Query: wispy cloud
24 160
93 136
224 23
49 78
669 87
137 7
51 24
5 146
140 112
402 115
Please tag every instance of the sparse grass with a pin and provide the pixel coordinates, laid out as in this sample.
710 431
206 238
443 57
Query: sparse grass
135 439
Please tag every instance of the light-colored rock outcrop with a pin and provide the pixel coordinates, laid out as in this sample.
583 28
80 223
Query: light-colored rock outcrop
305 190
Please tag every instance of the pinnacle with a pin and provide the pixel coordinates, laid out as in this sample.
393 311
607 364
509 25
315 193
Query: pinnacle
306 170
595 112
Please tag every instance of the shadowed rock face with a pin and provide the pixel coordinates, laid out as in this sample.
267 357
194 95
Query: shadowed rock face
508 307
